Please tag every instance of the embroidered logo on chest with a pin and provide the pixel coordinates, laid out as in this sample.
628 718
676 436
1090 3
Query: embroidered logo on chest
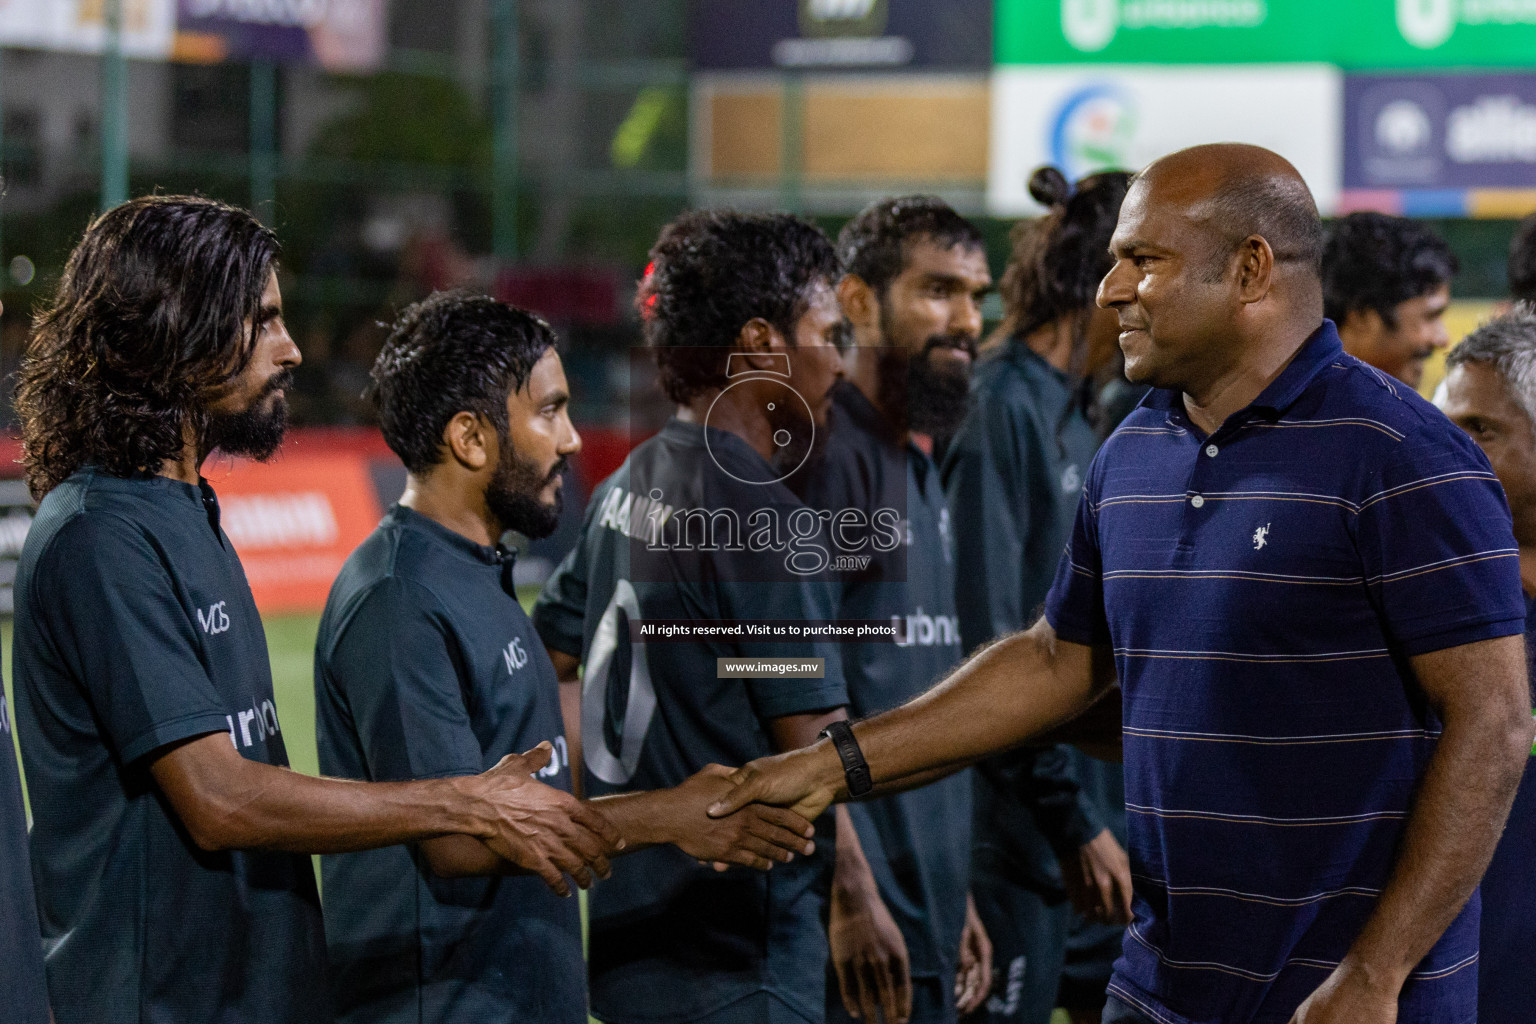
215 620
1261 537
514 655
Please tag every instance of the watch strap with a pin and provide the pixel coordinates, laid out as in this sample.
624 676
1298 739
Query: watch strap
855 768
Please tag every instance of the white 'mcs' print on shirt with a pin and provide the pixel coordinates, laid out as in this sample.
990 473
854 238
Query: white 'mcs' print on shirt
514 655
215 620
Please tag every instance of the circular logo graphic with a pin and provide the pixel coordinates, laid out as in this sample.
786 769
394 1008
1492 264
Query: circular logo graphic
1426 23
1093 131
1089 25
1403 128
791 415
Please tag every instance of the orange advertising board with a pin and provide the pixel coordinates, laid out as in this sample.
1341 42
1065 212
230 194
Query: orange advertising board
293 521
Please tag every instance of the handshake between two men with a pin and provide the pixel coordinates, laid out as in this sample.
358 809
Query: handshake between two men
546 831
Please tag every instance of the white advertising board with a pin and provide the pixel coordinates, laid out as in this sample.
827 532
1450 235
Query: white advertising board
1084 118
79 26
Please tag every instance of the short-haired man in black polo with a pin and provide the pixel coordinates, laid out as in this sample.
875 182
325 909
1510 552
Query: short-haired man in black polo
1490 392
739 312
1386 285
170 838
1305 580
427 667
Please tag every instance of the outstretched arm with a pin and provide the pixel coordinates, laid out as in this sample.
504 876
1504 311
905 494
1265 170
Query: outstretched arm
1480 693
1019 687
227 802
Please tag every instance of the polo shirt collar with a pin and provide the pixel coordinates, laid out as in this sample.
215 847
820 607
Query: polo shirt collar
1318 351
452 539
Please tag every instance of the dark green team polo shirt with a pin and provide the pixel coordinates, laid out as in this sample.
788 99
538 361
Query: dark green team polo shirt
135 629
672 940
1014 474
21 951
918 843
426 667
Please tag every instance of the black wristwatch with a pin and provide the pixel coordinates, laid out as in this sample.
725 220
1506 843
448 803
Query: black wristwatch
855 768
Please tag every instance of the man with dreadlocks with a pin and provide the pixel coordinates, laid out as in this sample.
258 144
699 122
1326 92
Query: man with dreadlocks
170 841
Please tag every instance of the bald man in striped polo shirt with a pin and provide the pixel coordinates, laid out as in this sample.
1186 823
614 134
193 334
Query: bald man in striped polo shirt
1306 581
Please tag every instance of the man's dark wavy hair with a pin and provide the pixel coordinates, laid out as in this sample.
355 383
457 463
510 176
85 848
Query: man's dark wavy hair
155 314
1376 261
711 272
874 243
452 352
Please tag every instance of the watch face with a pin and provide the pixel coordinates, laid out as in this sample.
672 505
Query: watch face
794 426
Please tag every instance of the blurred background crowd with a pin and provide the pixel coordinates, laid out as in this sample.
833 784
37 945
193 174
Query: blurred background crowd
533 148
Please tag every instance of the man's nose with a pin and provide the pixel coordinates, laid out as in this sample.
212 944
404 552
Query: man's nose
966 318
572 443
288 353
1117 288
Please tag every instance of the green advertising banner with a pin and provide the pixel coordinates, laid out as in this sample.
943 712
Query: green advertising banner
1355 34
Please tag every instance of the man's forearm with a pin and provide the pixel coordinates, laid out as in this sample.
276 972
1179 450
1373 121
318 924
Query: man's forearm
279 809
643 819
1019 687
1455 824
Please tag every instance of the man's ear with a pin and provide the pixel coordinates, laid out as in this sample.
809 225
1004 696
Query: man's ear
469 439
1255 269
858 300
755 340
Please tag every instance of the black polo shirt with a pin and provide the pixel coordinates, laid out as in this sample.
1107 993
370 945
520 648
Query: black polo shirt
673 940
135 629
918 843
426 667
21 948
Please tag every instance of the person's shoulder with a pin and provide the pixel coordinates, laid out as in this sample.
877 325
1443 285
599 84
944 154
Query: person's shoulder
851 463
78 521
1387 420
1001 377
378 579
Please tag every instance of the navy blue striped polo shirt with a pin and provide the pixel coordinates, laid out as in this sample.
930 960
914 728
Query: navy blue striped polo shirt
1263 588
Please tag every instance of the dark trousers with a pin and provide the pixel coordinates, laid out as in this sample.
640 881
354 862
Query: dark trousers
1029 948
933 1002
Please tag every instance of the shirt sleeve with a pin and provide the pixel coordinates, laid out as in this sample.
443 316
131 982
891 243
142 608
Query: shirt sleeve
559 613
1062 811
1075 605
109 607
983 481
1438 549
397 666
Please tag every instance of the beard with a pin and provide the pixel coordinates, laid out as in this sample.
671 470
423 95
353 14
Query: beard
924 394
257 432
513 495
